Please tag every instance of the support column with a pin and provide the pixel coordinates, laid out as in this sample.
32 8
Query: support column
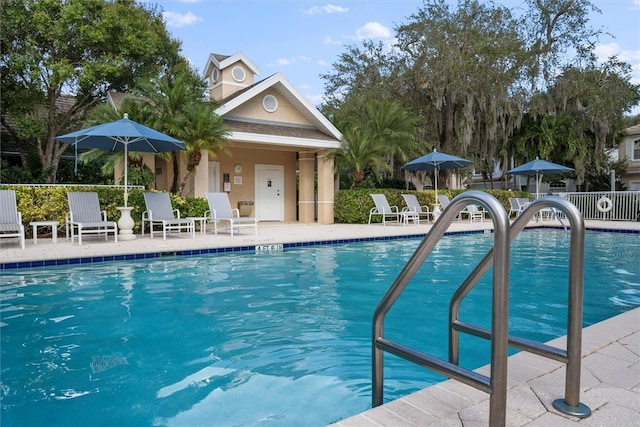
306 198
201 176
326 190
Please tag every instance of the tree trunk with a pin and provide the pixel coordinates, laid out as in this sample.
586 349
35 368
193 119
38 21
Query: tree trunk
176 172
358 177
194 160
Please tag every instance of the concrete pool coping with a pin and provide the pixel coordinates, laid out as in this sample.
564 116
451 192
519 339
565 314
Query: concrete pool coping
611 349
96 249
610 387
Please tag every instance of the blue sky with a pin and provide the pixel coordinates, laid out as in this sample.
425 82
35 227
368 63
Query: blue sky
303 38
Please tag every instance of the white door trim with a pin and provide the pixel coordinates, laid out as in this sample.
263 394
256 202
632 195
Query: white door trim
269 195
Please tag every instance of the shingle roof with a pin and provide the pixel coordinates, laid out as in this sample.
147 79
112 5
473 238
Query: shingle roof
278 130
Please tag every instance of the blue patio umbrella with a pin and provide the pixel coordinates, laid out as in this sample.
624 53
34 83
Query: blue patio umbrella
436 161
539 167
122 135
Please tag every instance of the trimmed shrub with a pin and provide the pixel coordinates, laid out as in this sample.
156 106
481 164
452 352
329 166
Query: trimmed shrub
353 206
50 204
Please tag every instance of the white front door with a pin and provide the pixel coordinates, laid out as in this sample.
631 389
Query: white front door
269 204
214 177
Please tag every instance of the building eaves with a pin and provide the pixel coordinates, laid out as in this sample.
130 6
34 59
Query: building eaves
633 130
278 130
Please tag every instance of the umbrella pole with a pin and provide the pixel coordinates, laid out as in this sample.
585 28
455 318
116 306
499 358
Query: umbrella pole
435 183
126 167
126 223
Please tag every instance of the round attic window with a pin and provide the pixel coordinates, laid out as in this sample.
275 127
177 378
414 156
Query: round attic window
270 103
238 74
215 74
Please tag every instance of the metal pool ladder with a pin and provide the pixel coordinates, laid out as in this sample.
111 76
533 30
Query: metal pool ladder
498 256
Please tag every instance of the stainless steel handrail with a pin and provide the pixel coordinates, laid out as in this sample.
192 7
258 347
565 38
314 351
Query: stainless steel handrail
498 256
496 384
572 355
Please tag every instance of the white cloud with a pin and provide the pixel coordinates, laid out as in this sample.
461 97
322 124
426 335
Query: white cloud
283 62
373 30
635 74
322 63
331 41
632 57
329 8
315 100
176 19
604 51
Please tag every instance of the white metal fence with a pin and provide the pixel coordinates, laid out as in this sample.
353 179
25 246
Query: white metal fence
141 187
603 205
606 205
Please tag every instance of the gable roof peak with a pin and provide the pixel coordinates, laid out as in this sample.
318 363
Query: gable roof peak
221 62
279 82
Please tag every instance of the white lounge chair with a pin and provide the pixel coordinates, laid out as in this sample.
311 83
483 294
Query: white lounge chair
10 218
414 206
390 212
523 202
514 207
160 212
444 202
220 211
85 217
475 213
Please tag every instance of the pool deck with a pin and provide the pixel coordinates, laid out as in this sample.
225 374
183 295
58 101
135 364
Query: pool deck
610 381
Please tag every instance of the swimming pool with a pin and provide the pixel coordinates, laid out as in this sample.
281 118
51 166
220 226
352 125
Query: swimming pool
268 338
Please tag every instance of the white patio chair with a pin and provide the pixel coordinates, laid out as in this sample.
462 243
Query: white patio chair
523 202
85 217
220 211
413 205
10 219
444 202
160 212
514 207
390 213
475 213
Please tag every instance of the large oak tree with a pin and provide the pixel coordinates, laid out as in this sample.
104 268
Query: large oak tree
60 58
474 70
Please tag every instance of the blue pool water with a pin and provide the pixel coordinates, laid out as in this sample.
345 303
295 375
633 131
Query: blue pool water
277 339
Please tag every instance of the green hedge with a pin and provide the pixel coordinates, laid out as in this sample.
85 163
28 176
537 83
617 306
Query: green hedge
50 203
353 206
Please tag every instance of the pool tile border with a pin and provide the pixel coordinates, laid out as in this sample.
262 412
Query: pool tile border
194 252
231 249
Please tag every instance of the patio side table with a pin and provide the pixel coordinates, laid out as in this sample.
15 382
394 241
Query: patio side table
203 223
52 224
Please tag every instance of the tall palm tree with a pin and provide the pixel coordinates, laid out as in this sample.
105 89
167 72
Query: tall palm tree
166 100
174 105
360 152
373 127
391 122
202 130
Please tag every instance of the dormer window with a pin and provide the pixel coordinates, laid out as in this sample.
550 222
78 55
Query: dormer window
238 74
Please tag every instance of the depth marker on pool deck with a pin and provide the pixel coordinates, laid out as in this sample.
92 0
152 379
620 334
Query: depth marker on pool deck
276 247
